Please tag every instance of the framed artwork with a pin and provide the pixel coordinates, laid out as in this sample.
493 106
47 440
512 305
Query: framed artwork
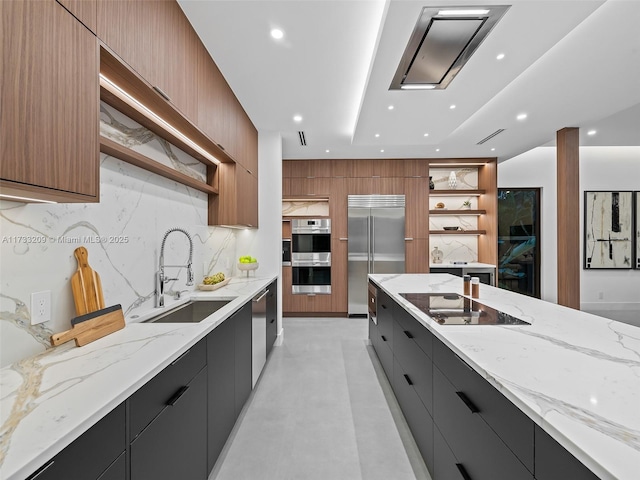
609 230
637 194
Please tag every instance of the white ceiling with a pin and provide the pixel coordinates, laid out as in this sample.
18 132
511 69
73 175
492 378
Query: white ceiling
572 63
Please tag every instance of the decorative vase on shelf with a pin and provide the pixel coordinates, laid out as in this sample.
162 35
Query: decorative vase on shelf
453 180
432 185
436 255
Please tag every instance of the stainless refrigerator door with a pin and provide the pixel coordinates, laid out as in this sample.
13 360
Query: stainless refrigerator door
358 259
387 240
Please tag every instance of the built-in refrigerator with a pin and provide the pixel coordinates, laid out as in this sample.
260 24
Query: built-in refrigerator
376 243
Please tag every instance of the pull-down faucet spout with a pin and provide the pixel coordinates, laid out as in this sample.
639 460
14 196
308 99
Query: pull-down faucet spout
160 278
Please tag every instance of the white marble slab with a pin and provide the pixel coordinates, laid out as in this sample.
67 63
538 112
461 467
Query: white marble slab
50 399
574 374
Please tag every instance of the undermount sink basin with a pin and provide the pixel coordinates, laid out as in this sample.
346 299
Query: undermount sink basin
192 312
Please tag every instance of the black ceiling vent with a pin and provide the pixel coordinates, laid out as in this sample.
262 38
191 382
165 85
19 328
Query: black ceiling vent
442 42
489 137
303 140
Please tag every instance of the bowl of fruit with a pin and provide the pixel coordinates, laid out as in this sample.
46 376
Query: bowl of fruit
213 282
247 263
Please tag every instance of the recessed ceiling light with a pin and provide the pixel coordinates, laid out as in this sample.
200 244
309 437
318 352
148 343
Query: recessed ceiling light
463 12
377 135
452 107
297 118
277 33
426 135
327 151
417 86
592 132
390 107
493 149
437 149
382 150
500 56
522 116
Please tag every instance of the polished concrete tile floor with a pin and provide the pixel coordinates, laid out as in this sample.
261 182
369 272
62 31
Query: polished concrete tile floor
322 409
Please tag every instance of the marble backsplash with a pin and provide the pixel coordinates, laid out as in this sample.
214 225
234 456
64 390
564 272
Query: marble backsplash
122 234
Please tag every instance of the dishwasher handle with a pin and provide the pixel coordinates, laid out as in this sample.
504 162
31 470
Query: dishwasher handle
261 295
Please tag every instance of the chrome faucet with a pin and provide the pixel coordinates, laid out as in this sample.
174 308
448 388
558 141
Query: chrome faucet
160 277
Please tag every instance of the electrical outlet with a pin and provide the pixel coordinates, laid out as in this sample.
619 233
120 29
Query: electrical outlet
600 295
40 307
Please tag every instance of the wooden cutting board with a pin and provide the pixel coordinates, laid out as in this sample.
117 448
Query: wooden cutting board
86 331
86 286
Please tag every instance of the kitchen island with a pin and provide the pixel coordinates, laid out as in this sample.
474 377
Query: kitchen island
51 399
576 376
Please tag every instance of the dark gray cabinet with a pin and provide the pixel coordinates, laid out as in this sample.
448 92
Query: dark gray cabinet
272 315
229 372
475 445
174 444
242 355
463 426
91 454
117 470
554 462
417 416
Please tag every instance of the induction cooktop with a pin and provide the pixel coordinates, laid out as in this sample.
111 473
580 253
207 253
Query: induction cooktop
454 309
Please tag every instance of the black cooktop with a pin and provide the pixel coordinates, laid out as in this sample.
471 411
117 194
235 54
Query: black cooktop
454 309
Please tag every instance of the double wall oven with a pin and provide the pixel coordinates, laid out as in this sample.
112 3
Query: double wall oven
311 256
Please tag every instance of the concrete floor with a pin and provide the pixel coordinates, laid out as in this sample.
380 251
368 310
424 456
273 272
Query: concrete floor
322 409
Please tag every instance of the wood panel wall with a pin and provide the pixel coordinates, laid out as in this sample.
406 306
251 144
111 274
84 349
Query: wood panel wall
568 187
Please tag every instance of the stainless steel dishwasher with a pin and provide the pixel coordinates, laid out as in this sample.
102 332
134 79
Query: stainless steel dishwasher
258 334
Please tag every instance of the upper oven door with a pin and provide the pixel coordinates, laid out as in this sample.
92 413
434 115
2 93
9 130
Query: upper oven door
311 243
306 225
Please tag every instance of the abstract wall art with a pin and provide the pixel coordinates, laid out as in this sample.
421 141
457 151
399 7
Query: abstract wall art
608 230
637 194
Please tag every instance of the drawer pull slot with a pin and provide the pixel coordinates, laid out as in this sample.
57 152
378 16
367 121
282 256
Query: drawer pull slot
272 320
383 306
177 396
406 377
467 402
383 338
408 334
180 357
42 470
463 472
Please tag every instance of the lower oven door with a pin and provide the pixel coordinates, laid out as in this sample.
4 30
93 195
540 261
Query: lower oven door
311 280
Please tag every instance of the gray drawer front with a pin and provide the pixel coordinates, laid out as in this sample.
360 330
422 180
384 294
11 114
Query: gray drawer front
416 365
421 335
385 315
511 424
417 416
445 462
382 347
152 398
554 462
475 445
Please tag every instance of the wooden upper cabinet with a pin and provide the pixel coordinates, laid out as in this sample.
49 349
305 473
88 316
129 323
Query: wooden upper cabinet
155 38
49 114
213 93
237 203
84 10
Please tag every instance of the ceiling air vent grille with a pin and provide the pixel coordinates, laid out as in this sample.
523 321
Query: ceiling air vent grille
442 42
303 140
489 137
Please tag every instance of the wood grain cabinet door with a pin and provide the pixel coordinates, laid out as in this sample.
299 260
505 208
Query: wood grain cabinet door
157 41
49 114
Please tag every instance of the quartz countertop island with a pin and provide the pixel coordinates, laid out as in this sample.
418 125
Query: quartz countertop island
574 374
49 400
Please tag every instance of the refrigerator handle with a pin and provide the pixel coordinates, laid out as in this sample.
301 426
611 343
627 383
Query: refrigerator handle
369 244
373 243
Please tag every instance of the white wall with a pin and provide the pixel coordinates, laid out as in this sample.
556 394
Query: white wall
265 243
601 168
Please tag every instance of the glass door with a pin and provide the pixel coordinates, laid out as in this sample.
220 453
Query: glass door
519 240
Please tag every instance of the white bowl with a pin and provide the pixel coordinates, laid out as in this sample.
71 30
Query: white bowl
247 266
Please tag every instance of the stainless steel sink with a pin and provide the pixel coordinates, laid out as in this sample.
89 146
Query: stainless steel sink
192 312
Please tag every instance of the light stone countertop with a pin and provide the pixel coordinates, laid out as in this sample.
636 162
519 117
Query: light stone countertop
49 400
574 374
